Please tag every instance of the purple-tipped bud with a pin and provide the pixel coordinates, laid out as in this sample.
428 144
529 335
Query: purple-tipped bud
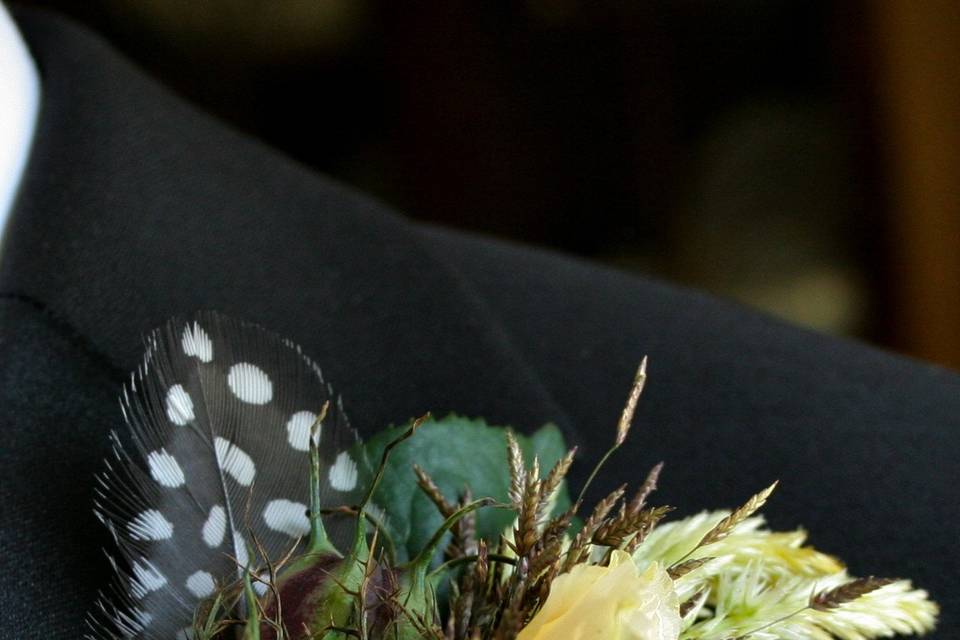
327 594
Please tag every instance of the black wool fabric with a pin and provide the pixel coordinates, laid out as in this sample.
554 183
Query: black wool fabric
137 207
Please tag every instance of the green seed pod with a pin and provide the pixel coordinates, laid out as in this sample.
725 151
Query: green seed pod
323 594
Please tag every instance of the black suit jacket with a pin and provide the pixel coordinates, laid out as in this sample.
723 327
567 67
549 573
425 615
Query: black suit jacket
136 207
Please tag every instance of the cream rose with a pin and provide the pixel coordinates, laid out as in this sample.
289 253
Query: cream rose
615 602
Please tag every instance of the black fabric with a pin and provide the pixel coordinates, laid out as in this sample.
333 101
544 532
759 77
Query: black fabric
137 207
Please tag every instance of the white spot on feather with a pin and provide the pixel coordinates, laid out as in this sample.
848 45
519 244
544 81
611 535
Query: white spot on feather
377 513
250 383
185 634
343 473
197 343
240 546
234 461
201 584
146 579
261 585
165 469
150 525
215 527
298 429
143 618
287 517
179 405
132 622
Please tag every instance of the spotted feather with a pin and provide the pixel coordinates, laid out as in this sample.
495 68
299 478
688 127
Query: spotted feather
217 452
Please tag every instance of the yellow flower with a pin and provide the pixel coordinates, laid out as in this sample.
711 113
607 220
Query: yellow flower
615 602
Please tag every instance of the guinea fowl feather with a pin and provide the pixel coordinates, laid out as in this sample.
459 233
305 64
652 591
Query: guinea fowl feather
216 455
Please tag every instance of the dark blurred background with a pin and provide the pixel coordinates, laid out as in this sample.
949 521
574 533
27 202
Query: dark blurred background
796 155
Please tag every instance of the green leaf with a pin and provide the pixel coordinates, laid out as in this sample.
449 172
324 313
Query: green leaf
456 452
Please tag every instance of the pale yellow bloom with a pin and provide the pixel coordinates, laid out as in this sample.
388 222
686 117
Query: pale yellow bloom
615 602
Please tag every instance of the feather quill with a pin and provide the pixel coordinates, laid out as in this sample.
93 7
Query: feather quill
217 453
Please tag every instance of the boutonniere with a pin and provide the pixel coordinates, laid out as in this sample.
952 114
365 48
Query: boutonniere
243 506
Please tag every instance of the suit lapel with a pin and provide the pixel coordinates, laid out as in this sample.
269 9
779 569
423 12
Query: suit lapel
136 207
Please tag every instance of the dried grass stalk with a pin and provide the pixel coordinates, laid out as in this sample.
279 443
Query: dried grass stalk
518 471
527 531
649 486
681 569
580 546
833 598
626 418
551 485
725 526
429 487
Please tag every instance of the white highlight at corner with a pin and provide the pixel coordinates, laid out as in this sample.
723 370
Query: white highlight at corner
19 105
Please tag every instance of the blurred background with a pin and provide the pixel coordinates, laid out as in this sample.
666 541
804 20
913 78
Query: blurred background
800 156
